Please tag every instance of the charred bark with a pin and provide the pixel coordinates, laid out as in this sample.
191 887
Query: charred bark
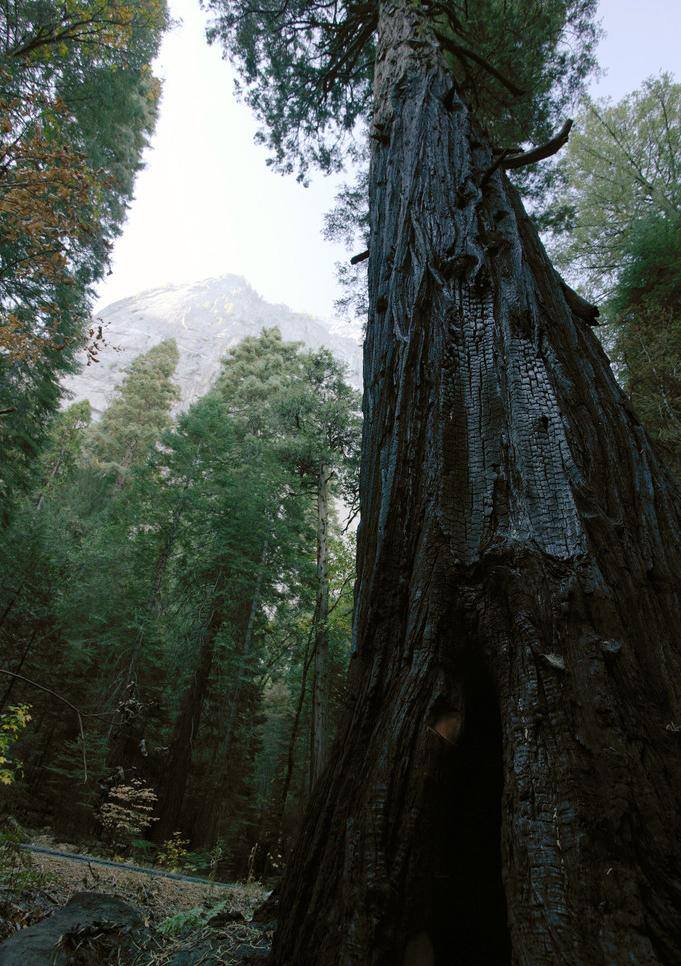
518 561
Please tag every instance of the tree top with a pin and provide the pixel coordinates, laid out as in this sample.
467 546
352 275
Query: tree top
306 67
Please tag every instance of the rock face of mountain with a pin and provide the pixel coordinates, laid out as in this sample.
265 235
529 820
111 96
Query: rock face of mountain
206 319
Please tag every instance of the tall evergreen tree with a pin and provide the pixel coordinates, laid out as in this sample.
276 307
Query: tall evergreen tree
321 418
645 315
78 102
163 576
138 413
314 416
507 768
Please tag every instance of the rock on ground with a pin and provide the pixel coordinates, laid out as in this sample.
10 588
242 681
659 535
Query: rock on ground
91 928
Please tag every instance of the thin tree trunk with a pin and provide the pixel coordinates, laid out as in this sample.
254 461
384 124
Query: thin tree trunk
50 476
290 755
126 748
178 766
243 654
505 788
320 683
222 759
24 654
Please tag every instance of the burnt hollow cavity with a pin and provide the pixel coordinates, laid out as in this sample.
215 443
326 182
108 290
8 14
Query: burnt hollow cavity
469 924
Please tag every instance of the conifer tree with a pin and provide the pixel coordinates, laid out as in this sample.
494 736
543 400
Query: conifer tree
138 413
645 315
321 417
78 103
166 605
505 773
314 417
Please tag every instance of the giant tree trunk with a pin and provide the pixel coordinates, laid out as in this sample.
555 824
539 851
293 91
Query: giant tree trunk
320 683
506 785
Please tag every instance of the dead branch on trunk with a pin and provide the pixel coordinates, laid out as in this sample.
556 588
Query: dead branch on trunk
539 153
579 305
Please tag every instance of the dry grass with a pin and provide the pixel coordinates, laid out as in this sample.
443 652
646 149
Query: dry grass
158 897
57 879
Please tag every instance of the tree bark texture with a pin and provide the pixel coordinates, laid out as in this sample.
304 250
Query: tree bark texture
506 787
320 684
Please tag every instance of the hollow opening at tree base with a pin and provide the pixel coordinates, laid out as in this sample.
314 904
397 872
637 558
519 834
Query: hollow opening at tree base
469 908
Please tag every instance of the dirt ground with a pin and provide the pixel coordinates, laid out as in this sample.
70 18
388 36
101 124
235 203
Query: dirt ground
226 940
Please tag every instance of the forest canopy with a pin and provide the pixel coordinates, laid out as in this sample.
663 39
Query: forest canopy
306 69
171 561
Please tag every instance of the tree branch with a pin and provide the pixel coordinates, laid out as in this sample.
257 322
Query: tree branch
467 54
79 714
541 152
362 257
579 305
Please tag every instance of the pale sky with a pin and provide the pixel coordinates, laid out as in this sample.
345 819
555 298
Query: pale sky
207 204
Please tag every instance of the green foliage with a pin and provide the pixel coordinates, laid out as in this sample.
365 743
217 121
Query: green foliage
173 853
651 273
143 532
18 871
138 413
12 723
616 221
192 919
183 922
306 67
78 103
620 170
645 316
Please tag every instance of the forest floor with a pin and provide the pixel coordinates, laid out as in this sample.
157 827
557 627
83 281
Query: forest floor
187 922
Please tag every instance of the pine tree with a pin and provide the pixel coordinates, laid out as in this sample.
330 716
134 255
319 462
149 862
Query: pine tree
235 514
645 316
619 170
507 768
314 416
138 413
172 604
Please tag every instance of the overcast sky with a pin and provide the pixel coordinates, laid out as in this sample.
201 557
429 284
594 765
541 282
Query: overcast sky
207 204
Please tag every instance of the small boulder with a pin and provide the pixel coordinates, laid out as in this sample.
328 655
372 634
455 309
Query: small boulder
250 954
91 928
